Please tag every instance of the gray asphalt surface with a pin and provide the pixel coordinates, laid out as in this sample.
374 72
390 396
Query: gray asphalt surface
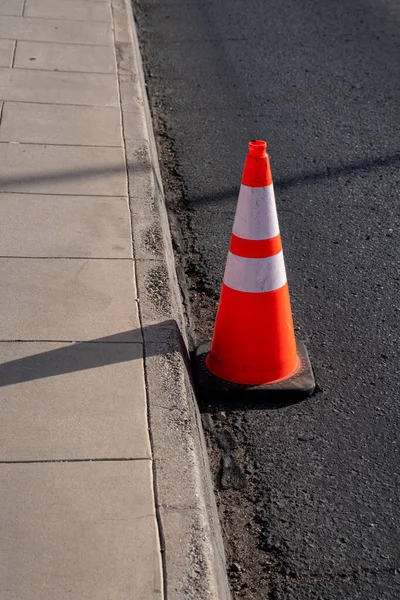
319 81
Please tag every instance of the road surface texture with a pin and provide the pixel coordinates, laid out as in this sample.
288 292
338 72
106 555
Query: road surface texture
308 493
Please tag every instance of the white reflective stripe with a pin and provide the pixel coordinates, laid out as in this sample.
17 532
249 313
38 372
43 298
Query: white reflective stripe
255 274
256 217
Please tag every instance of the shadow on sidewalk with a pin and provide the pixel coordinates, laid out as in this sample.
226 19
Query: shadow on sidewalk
13 184
160 339
91 354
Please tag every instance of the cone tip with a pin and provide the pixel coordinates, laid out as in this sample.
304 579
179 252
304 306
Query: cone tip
258 148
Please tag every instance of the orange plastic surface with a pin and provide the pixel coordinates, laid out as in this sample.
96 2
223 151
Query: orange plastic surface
257 170
254 338
255 248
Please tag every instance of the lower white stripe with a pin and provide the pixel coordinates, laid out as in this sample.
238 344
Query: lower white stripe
256 217
255 274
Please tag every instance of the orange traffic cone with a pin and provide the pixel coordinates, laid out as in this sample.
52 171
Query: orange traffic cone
254 343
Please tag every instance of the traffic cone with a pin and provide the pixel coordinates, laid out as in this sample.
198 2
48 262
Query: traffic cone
254 345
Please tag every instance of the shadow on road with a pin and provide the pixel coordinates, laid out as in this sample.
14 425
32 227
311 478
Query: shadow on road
328 173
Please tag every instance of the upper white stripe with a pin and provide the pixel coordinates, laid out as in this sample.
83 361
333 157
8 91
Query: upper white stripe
256 217
255 274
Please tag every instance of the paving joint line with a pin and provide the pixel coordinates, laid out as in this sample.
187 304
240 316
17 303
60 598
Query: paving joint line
59 195
14 53
57 43
93 2
12 39
60 103
71 460
67 258
46 144
77 342
63 71
59 19
58 145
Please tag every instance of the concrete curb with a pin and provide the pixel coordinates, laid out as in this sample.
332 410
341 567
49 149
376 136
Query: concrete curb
190 532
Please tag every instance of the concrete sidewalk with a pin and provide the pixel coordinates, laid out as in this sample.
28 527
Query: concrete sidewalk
81 242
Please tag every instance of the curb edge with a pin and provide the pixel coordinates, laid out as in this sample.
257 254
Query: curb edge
194 565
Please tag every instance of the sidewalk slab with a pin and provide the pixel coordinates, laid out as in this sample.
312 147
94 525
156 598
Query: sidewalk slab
6 52
58 404
76 226
78 10
63 57
78 531
51 30
105 491
68 300
52 87
60 124
11 7
75 170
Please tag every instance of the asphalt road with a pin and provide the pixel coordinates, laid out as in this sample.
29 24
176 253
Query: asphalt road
308 493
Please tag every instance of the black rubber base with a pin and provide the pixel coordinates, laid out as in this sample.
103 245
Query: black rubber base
301 383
